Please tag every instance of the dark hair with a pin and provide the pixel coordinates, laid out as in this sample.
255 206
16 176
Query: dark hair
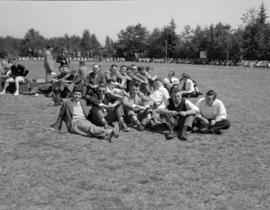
102 85
140 68
212 93
82 63
110 80
48 47
175 90
136 84
172 73
77 89
113 65
158 80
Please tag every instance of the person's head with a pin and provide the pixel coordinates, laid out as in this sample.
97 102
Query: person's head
101 89
210 97
123 69
176 95
49 47
95 68
110 84
171 74
185 76
136 87
158 83
133 68
141 69
113 68
82 63
129 71
149 68
77 93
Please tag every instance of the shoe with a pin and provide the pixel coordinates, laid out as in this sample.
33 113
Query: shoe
169 136
52 73
116 131
2 93
109 135
16 93
140 127
183 135
124 127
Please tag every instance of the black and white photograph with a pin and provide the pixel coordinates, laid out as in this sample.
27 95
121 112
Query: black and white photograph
135 104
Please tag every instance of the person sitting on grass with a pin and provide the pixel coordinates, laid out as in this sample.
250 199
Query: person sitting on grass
73 112
188 87
16 75
179 115
93 79
171 81
136 107
212 115
106 108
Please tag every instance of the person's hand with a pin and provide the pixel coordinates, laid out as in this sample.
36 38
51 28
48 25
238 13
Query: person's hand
183 114
174 113
110 106
213 122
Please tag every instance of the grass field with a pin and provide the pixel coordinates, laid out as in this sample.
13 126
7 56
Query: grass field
43 169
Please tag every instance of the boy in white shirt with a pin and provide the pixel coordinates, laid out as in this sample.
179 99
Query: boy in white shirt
212 116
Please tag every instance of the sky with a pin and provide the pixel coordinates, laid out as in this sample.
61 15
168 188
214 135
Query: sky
56 18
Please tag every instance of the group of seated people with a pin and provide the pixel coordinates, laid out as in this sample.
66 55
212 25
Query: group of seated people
131 96
125 97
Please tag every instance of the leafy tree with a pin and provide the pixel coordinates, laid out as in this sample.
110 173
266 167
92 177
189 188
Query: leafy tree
32 43
86 42
132 41
155 44
109 49
170 39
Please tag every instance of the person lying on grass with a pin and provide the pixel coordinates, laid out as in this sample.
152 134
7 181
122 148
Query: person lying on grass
73 112
212 116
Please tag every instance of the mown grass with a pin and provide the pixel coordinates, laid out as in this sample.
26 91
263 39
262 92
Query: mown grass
43 169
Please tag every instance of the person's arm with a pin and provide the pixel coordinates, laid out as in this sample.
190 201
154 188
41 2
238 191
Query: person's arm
222 114
189 87
167 111
191 109
199 115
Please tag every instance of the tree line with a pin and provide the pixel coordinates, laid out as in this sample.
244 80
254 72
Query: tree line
249 41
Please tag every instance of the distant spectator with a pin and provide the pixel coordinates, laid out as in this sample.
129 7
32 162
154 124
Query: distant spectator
212 116
48 63
17 75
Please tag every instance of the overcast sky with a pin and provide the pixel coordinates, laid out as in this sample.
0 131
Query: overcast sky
109 17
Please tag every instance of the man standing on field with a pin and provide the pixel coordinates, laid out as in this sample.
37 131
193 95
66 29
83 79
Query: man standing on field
48 63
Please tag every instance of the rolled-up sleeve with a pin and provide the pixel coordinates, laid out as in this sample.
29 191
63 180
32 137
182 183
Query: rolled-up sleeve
191 106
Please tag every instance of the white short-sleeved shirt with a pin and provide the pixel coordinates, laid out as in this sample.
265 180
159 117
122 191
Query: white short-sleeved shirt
215 112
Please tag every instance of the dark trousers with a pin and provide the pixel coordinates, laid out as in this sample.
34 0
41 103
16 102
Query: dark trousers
179 123
97 116
223 124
